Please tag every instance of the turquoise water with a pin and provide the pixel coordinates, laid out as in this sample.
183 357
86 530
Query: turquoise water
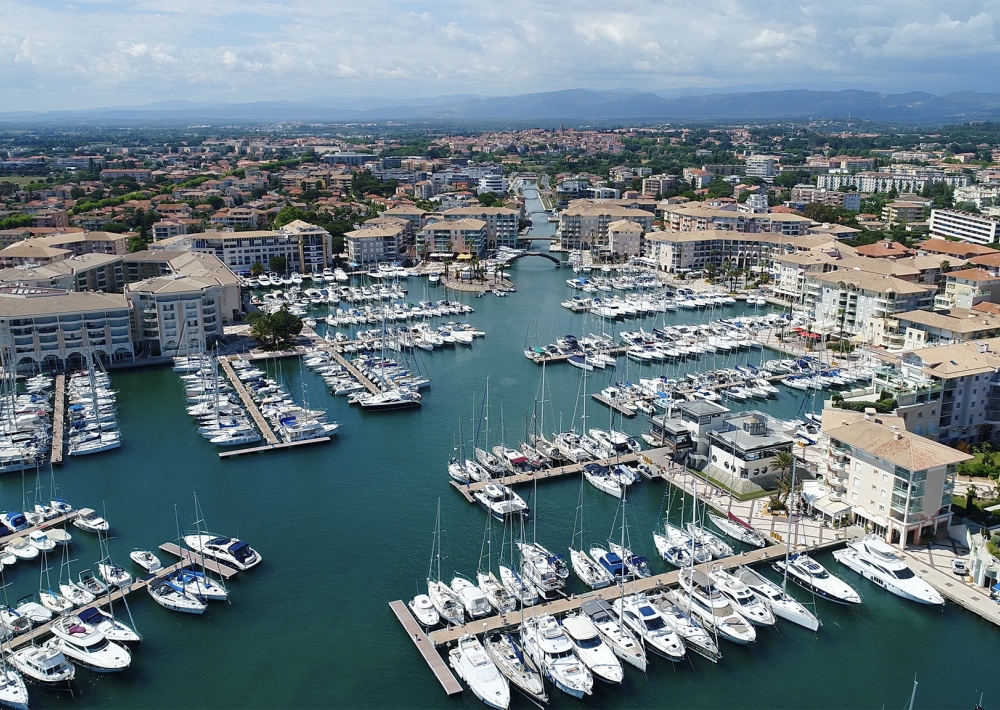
345 528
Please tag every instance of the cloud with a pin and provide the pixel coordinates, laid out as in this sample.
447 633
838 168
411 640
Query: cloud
96 52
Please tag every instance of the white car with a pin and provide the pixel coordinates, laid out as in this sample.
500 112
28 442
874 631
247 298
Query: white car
959 567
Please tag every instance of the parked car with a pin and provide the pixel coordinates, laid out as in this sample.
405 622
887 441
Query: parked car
959 567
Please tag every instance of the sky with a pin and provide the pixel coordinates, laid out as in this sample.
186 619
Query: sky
96 53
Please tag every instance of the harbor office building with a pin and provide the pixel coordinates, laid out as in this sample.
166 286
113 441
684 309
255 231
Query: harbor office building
53 329
898 484
744 449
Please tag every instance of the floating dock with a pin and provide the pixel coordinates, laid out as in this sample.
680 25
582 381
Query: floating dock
426 647
192 558
469 489
355 373
251 406
59 419
272 447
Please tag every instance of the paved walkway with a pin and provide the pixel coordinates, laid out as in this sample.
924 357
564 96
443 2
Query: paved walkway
934 565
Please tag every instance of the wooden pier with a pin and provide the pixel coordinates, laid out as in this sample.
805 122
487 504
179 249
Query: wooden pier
616 351
192 558
426 647
59 419
251 406
355 373
272 447
619 406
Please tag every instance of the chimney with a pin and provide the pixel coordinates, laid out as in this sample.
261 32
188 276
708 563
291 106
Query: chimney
984 347
896 435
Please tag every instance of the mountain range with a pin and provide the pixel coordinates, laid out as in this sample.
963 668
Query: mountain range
572 105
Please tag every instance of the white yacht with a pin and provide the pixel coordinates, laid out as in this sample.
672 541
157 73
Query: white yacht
54 602
873 559
87 646
750 606
89 521
694 635
29 607
516 666
614 632
590 573
476 668
642 617
39 539
170 596
113 575
199 585
517 587
598 656
446 602
547 644
108 625
495 594
424 611
474 602
228 550
781 603
715 610
600 478
715 544
22 549
737 529
43 664
13 691
545 571
500 501
810 574
146 559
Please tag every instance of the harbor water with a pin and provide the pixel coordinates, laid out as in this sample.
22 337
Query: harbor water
346 527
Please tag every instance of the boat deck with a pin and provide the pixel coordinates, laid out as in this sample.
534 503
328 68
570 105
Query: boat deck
59 419
617 350
355 373
426 647
194 559
251 406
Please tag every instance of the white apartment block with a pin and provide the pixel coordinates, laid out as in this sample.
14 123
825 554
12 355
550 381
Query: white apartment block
492 183
584 225
658 184
315 245
898 483
55 329
762 166
698 217
903 181
626 239
178 315
966 288
464 236
241 250
804 194
864 303
963 226
372 245
167 228
501 223
979 195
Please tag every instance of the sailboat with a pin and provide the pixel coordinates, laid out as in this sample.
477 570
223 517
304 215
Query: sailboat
737 528
696 638
512 581
521 671
447 603
589 572
50 599
484 456
488 584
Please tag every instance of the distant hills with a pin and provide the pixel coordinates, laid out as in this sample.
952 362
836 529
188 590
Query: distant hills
573 105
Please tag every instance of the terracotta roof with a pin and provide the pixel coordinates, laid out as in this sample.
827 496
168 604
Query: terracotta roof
868 281
883 249
965 250
973 275
896 446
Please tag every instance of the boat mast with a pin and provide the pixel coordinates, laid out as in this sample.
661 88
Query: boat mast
788 537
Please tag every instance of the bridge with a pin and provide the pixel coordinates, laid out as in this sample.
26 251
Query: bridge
542 254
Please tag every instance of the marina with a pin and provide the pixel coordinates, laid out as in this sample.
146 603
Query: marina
59 419
250 405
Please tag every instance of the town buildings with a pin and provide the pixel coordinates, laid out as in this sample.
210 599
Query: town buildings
963 226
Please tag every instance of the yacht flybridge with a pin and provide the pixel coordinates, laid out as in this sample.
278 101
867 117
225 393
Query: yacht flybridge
874 559
810 574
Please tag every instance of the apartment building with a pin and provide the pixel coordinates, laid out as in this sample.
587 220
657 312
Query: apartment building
502 223
806 194
626 239
658 184
948 250
690 217
241 250
789 274
57 329
963 226
584 225
238 218
861 303
87 272
884 249
979 195
373 244
463 236
900 212
966 288
315 245
166 228
762 166
54 247
896 179
414 215
924 329
178 314
697 178
140 175
898 483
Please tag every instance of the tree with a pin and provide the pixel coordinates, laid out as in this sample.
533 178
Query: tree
272 330
783 462
289 214
945 266
277 264
489 199
256 269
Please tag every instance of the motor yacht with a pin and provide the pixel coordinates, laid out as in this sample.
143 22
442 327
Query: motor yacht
112 574
87 581
781 603
147 560
89 521
545 571
13 691
43 664
474 602
39 539
874 559
811 575
548 646
228 550
713 609
642 617
473 665
590 648
22 549
108 625
749 605
423 611
87 646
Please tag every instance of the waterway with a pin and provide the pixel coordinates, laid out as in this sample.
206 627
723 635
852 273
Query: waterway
346 527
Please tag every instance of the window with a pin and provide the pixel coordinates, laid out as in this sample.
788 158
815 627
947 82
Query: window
854 495
882 493
857 467
881 509
857 482
885 476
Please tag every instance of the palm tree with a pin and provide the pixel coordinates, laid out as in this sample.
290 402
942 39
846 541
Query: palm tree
783 462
